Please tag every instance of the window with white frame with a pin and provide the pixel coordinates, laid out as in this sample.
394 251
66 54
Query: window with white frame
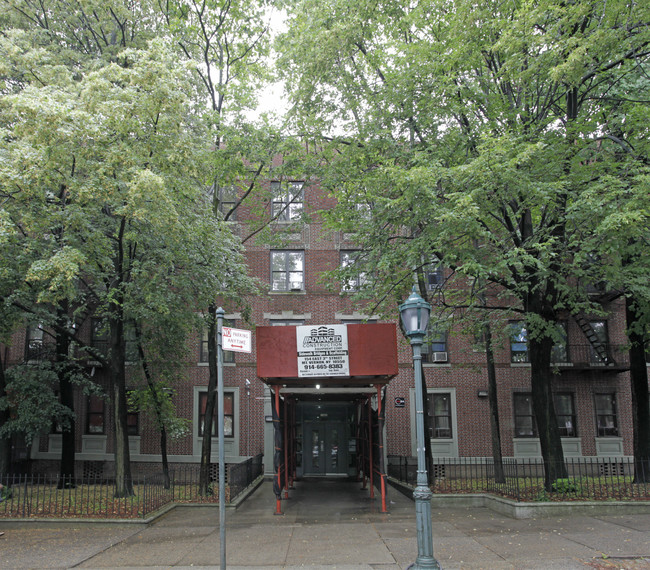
435 346
228 414
355 278
287 201
287 270
286 323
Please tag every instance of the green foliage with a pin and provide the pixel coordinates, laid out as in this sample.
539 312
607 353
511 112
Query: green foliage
32 401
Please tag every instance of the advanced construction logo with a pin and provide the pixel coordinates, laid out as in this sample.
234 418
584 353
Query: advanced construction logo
323 338
322 351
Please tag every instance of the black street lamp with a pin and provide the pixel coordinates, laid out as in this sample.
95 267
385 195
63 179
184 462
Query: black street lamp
415 313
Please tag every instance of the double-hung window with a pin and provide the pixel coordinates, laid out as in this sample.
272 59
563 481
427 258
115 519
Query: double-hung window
560 351
228 355
518 342
565 413
600 345
525 424
228 414
439 408
287 270
287 201
354 279
95 411
435 345
606 421
226 201
434 275
34 346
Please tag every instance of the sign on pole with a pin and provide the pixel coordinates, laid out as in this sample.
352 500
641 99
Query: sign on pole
236 340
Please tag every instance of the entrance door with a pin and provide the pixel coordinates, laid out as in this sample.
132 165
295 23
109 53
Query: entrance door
324 450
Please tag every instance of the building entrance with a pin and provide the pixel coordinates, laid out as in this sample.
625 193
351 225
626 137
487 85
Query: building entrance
327 444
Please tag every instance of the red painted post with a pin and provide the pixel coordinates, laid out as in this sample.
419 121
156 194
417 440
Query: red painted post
278 504
380 441
370 462
286 449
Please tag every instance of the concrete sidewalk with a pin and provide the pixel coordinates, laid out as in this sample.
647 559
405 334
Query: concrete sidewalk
331 524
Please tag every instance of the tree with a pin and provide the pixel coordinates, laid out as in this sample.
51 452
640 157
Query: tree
106 146
471 133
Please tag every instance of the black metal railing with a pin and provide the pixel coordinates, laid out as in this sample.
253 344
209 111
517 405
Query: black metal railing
31 496
615 478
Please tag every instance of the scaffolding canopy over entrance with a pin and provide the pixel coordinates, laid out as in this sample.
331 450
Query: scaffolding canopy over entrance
347 368
372 354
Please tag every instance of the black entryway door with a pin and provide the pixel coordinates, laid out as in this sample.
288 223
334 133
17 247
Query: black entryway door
324 448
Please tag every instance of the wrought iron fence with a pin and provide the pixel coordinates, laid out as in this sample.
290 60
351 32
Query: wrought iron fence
30 496
615 478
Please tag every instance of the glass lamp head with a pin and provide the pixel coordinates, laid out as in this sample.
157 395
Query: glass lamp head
415 312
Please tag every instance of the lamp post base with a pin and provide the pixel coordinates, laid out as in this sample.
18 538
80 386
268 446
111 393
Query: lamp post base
422 496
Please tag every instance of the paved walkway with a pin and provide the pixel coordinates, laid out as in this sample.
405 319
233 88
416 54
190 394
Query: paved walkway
331 525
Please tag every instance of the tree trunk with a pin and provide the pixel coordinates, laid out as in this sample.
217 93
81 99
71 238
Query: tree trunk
157 404
549 435
640 403
428 452
204 472
123 480
66 396
493 401
5 442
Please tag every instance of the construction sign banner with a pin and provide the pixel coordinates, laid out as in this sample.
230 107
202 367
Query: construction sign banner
322 351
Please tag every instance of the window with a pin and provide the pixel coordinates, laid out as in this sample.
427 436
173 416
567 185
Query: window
600 329
606 424
95 415
99 335
34 343
228 414
287 270
560 352
355 279
434 347
132 416
287 200
228 355
525 424
227 200
518 342
566 414
131 352
439 410
434 275
281 323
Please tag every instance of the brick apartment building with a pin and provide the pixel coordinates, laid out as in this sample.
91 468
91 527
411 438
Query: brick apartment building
592 387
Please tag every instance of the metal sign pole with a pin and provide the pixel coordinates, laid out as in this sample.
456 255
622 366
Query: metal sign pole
220 422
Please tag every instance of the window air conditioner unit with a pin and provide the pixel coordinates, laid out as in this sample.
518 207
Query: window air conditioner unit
439 357
296 286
